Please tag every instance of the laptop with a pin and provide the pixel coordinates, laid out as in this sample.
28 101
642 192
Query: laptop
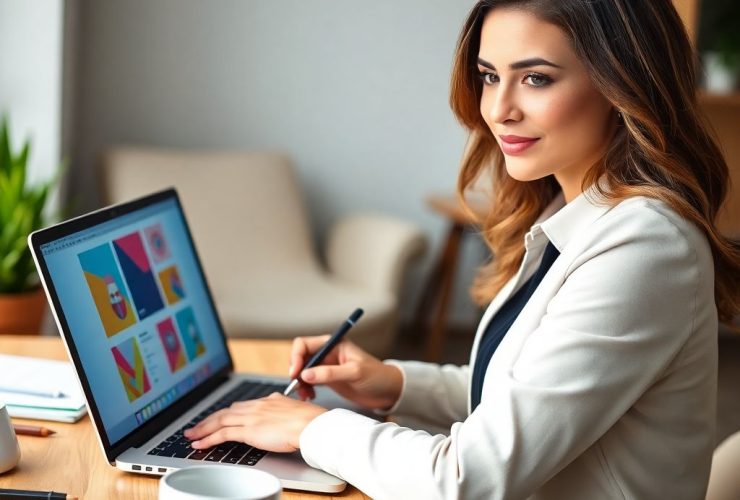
131 300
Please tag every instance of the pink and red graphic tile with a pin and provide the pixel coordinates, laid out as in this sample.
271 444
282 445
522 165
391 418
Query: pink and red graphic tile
138 274
171 344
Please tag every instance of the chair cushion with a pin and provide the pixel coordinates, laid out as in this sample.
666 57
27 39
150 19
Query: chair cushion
307 303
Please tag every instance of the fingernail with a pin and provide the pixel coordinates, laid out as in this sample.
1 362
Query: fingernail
290 369
308 376
195 444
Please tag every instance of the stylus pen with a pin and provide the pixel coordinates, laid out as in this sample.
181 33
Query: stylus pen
317 358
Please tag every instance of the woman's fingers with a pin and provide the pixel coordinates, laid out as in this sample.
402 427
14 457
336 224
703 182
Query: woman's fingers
328 374
272 423
306 392
227 417
220 436
303 348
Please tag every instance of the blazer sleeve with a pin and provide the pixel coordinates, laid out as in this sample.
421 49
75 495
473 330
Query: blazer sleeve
607 335
434 395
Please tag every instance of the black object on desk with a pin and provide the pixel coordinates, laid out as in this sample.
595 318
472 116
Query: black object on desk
27 494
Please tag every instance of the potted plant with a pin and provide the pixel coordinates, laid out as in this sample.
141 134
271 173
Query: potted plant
719 43
22 300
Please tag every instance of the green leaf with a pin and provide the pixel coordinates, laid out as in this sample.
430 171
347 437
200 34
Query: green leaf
21 212
5 154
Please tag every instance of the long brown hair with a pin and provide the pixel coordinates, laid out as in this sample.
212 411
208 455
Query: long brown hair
639 57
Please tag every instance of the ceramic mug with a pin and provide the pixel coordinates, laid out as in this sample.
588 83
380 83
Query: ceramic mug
10 452
219 482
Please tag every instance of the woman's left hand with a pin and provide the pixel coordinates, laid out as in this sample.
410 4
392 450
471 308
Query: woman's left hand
273 423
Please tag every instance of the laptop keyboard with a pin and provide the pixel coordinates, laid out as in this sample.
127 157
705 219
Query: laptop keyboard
177 445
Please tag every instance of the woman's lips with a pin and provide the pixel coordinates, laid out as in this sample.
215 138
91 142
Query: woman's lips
514 144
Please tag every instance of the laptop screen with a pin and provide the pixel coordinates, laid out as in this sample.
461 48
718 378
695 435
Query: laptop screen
138 310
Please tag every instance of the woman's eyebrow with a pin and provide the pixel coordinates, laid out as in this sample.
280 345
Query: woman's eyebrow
524 63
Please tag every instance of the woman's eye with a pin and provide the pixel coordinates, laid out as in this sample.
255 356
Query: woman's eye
488 78
537 80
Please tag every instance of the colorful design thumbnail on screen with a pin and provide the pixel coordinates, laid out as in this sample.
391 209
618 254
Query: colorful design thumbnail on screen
172 345
131 368
172 285
107 289
190 333
139 276
158 246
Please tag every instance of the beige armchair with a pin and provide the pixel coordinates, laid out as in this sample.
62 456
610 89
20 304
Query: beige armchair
252 233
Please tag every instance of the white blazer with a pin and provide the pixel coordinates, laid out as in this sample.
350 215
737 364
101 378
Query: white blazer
604 387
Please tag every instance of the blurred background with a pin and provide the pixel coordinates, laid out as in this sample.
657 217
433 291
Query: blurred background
354 92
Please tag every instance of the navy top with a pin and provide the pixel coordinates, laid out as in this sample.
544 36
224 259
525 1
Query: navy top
503 320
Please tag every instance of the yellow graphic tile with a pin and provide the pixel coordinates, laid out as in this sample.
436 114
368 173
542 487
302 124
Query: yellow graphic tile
112 322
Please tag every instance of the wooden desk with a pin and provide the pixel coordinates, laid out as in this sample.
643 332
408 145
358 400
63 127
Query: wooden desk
71 460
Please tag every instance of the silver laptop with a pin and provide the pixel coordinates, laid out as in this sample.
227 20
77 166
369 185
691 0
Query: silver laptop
130 297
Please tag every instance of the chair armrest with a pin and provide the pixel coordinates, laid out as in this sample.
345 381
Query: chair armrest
372 251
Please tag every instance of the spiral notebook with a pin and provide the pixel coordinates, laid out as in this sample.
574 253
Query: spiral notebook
41 389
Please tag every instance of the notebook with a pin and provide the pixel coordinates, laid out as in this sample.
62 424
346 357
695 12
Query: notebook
40 388
131 300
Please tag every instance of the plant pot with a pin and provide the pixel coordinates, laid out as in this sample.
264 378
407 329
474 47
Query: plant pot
22 313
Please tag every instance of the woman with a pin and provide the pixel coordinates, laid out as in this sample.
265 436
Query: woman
593 373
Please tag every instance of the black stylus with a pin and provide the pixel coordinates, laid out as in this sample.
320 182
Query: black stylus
317 358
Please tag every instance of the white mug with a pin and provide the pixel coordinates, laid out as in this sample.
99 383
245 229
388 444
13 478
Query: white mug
10 452
219 482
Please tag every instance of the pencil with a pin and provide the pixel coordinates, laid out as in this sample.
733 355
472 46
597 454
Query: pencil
32 430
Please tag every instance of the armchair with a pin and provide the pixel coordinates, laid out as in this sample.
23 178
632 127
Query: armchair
252 233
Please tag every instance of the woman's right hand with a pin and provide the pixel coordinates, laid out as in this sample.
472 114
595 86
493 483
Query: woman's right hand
348 370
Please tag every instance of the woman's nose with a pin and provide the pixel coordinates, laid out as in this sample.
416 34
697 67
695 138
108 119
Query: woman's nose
504 106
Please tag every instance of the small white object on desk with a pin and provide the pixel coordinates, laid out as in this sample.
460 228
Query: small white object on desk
219 482
40 388
10 452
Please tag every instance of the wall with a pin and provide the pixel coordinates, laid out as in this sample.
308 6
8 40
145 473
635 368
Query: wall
31 87
31 78
356 91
